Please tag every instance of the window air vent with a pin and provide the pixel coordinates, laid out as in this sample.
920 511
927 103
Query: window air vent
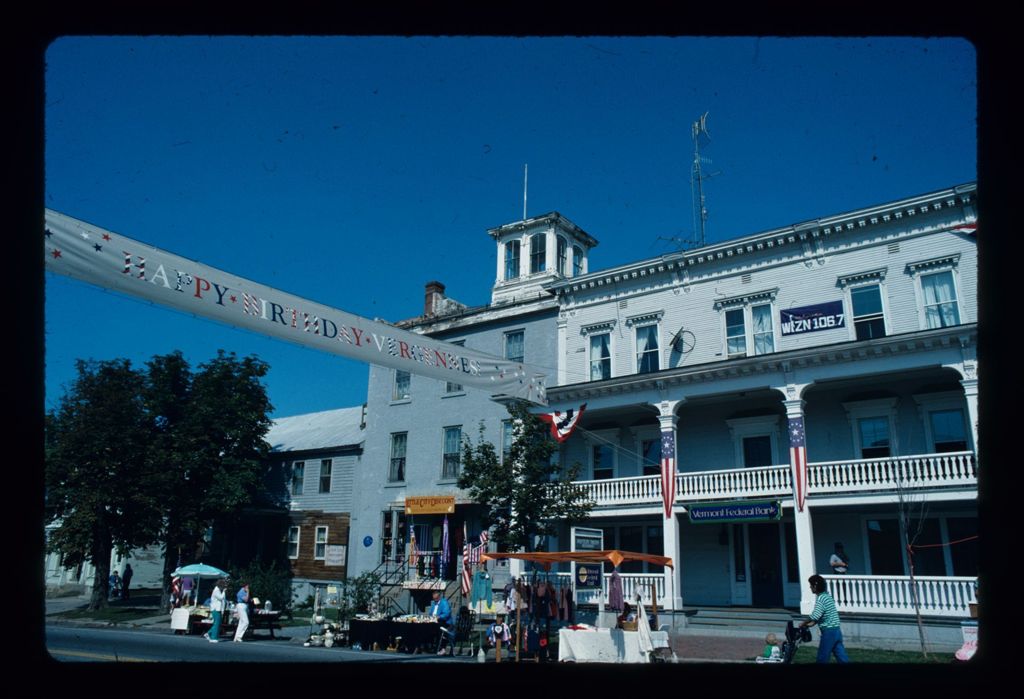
622 303
894 248
745 279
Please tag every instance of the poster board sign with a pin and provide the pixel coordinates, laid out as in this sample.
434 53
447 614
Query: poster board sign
430 505
334 555
587 539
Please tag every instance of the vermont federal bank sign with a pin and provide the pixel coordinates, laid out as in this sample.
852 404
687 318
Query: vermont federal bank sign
717 512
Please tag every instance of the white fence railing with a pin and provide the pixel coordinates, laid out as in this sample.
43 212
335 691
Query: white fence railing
919 471
631 584
827 477
881 594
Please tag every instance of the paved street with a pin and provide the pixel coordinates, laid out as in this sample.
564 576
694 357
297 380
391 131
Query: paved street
152 640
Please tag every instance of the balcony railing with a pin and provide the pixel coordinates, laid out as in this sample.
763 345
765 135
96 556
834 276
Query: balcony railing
631 584
827 477
909 472
881 594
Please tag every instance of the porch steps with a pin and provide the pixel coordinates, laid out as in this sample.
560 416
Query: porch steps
737 618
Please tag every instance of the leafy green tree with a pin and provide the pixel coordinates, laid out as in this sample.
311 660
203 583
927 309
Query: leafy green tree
102 487
210 426
525 495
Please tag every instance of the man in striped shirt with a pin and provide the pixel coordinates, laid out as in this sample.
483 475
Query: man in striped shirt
826 616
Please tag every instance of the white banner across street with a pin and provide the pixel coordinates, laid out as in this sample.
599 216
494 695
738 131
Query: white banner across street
110 260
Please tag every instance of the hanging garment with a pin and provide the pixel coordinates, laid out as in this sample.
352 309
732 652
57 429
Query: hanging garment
482 588
541 601
552 602
615 600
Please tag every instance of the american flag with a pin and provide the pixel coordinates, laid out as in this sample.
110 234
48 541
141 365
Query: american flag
445 556
466 546
668 470
798 459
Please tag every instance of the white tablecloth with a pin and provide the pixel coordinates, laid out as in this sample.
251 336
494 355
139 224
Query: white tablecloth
605 646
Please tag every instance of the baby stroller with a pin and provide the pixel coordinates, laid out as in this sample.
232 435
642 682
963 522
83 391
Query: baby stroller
795 635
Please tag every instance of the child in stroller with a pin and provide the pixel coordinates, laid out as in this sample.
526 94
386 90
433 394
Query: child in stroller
795 635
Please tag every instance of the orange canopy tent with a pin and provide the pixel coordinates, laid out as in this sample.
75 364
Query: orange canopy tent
546 558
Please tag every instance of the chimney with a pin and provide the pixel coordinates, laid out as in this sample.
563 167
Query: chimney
432 298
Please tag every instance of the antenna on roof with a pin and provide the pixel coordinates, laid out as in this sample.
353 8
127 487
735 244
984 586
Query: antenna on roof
524 190
698 130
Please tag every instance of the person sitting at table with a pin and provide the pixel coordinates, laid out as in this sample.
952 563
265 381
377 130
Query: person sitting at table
442 611
628 615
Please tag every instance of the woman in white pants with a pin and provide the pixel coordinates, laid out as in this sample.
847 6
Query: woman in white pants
242 609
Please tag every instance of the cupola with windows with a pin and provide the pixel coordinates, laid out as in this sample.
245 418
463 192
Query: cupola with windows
536 251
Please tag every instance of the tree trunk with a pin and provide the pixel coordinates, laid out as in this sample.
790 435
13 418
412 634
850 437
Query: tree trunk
917 602
101 578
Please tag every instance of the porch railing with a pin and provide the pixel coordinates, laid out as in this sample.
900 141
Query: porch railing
892 594
909 472
631 584
825 477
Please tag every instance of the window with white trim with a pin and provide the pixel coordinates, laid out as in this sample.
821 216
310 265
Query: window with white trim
944 419
749 324
868 314
647 351
293 542
561 251
298 475
452 452
755 440
320 544
514 346
396 471
873 423
450 387
403 380
600 356
326 467
538 253
577 260
512 259
603 461
940 303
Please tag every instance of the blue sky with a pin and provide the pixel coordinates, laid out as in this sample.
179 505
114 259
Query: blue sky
352 170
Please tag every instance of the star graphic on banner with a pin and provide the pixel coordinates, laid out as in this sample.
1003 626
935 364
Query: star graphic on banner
234 299
55 253
97 247
106 237
85 236
47 232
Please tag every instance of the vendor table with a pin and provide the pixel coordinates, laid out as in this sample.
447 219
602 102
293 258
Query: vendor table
259 619
605 645
385 633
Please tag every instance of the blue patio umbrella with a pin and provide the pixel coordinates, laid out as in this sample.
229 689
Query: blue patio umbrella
199 571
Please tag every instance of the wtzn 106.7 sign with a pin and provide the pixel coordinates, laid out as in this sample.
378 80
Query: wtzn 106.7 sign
808 319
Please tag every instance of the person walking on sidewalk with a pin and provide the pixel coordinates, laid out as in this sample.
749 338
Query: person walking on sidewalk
242 610
826 616
126 580
217 610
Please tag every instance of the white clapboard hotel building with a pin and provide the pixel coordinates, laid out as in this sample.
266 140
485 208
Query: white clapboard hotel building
848 341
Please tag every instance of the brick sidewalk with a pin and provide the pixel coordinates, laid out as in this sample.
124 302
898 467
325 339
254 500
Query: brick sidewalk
716 648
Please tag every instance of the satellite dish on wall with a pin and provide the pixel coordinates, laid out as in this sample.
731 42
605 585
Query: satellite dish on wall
683 341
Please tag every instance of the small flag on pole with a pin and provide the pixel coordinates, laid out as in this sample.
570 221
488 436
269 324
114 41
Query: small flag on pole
798 460
668 471
465 562
414 554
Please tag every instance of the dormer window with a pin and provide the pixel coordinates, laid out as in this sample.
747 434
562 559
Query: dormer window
577 260
562 250
537 253
512 259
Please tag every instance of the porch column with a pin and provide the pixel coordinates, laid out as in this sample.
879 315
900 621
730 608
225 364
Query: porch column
670 524
971 394
801 507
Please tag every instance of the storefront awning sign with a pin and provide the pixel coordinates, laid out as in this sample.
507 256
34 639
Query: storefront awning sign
430 505
751 511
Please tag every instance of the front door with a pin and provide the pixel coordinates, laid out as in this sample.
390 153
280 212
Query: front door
765 565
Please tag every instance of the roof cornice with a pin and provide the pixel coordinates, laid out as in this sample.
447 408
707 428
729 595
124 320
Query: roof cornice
785 237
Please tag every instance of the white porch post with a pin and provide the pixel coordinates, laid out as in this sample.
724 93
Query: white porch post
971 394
670 527
801 515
